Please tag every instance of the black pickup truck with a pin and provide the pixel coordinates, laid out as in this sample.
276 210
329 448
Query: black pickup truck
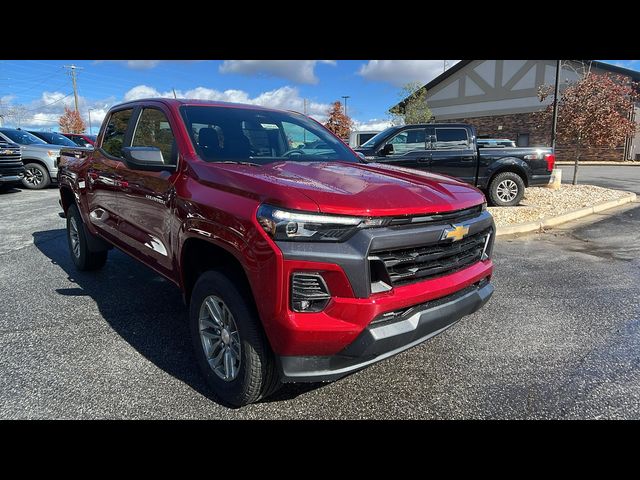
11 166
452 149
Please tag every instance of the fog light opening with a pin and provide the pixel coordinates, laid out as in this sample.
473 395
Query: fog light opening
309 293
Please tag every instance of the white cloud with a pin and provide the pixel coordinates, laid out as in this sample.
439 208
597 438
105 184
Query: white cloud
142 64
141 91
299 71
284 98
44 112
373 124
401 72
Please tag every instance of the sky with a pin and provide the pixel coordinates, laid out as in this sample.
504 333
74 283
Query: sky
33 93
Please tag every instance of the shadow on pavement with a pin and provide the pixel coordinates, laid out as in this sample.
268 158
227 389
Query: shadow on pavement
143 308
7 189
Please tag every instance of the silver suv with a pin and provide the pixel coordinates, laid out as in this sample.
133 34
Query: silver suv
39 157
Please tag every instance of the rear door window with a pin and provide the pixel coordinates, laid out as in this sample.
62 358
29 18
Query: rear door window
451 138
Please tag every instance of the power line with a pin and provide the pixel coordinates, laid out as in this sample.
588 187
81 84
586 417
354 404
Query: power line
47 104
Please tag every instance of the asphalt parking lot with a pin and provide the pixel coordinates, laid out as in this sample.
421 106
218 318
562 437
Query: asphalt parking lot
559 339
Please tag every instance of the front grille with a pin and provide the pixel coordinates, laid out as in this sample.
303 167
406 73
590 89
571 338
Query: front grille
408 265
17 157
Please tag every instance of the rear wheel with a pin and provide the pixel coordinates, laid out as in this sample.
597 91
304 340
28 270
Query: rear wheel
506 189
230 347
83 258
36 176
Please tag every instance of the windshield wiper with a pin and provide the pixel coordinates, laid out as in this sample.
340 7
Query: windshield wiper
240 162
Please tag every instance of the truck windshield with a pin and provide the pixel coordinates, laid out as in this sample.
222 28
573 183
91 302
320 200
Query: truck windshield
383 134
23 138
56 139
221 134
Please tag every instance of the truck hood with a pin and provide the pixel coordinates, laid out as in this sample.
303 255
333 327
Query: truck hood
40 148
351 189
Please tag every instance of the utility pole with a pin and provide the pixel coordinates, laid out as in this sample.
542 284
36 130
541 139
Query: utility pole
555 106
73 69
345 104
90 129
304 130
174 93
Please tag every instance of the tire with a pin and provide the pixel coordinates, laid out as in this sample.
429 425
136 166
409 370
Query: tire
506 189
83 258
36 176
254 367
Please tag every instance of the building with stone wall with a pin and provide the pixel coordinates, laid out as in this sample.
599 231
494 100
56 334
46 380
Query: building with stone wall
500 98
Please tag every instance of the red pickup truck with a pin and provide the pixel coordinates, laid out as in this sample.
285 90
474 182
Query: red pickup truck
298 261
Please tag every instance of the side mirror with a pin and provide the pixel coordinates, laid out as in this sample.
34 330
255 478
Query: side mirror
146 158
387 149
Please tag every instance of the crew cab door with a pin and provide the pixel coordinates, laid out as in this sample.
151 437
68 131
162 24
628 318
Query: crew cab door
146 198
453 153
102 176
407 148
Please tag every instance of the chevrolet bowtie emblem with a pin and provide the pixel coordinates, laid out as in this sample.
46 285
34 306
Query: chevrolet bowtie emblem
456 232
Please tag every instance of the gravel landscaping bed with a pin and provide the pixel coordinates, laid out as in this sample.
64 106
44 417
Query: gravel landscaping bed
540 202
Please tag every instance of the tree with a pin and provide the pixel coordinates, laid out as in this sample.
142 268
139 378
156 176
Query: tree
71 122
413 106
592 112
338 123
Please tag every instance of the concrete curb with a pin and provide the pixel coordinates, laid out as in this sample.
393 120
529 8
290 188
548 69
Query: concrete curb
565 217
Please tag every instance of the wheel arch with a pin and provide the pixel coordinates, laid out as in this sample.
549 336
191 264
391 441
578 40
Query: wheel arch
516 166
199 255
39 161
67 198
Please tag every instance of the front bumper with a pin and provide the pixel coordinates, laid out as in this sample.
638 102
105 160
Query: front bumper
382 339
11 178
537 180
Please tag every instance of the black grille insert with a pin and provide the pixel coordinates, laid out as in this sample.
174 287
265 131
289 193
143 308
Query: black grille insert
409 265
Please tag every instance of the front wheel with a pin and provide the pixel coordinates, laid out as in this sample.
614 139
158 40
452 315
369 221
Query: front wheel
230 347
506 189
36 176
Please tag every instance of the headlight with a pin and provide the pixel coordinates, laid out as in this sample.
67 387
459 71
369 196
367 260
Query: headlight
52 153
292 225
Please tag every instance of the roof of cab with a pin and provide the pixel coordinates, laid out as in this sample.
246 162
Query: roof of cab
178 102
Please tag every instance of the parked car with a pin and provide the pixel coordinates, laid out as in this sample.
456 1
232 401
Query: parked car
54 138
297 266
11 166
495 142
39 157
356 139
81 139
452 149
